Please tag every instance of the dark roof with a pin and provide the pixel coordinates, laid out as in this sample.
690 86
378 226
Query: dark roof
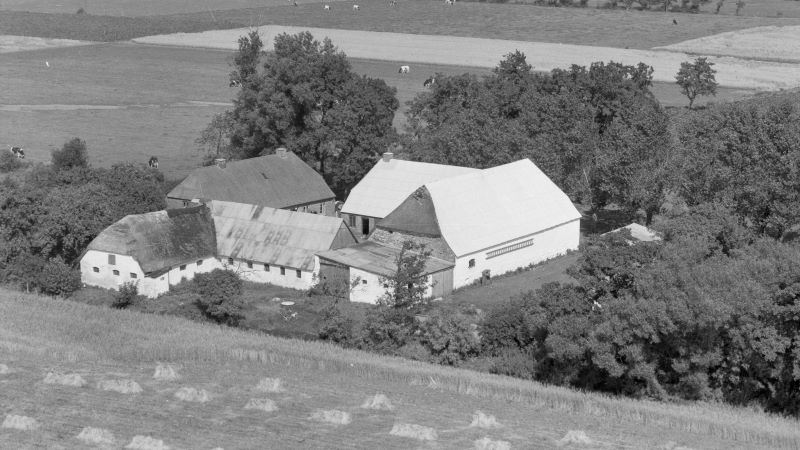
275 181
415 215
162 239
378 259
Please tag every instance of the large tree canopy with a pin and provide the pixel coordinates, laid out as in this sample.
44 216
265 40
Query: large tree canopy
306 97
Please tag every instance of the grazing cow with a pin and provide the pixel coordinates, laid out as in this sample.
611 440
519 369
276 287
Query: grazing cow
404 69
393 3
18 152
234 83
429 82
327 7
674 22
153 162
355 7
448 2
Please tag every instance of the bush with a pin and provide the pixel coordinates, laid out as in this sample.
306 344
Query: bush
514 363
8 162
80 11
220 295
126 295
449 338
338 327
57 278
72 154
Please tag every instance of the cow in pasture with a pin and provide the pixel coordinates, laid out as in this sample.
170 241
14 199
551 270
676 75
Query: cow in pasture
448 2
153 162
355 7
429 82
235 83
327 7
393 3
404 69
18 152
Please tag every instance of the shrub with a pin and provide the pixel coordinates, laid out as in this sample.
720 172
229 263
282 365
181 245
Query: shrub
80 11
8 162
448 338
57 278
72 154
220 295
338 327
126 295
515 363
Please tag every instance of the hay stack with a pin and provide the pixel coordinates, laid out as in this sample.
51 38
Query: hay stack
166 372
333 416
23 423
379 402
72 379
486 421
263 404
96 436
121 386
146 443
414 431
4 369
270 385
489 444
189 394
574 437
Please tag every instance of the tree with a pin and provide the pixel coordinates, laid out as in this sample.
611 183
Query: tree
220 295
307 98
57 278
407 288
125 296
697 78
72 154
9 162
214 140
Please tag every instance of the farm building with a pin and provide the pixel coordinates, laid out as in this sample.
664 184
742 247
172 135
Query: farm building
281 181
154 250
160 249
489 221
268 245
386 185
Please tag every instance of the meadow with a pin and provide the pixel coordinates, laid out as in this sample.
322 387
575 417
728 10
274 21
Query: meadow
69 366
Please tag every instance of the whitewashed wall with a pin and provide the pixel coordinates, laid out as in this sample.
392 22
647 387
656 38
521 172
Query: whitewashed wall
373 289
546 244
258 274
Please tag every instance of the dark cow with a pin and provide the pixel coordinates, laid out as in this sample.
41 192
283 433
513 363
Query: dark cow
429 82
153 162
18 152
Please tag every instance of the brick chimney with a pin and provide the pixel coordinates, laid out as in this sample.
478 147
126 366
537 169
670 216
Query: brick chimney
387 156
281 151
220 162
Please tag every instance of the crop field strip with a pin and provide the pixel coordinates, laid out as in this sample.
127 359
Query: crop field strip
39 336
641 30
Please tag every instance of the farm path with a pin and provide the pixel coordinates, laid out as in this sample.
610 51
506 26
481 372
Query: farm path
485 53
72 107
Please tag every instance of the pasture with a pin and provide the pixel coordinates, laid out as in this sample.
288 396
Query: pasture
129 102
71 370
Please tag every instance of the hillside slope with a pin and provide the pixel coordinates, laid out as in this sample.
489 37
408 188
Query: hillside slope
69 366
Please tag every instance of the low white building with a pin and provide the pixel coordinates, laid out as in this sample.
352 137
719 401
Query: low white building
154 250
489 221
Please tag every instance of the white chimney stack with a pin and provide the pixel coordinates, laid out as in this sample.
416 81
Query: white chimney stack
387 156
281 151
220 162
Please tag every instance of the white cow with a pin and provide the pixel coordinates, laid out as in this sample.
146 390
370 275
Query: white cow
327 7
355 7
404 69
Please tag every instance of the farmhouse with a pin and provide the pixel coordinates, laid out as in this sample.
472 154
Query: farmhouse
281 181
386 185
485 222
154 250
160 249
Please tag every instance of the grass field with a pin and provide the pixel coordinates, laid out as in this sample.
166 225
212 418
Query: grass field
133 101
40 336
132 7
634 29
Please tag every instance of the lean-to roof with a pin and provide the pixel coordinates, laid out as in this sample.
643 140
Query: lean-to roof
379 259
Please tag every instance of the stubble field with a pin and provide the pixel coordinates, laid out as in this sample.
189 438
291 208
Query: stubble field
73 376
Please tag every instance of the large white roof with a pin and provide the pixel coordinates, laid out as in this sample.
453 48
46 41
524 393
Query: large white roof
493 206
387 184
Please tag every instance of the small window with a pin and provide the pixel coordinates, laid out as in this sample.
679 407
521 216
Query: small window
472 263
183 267
95 269
363 281
133 275
230 260
299 273
116 272
249 264
352 220
266 267
283 270
199 262
112 259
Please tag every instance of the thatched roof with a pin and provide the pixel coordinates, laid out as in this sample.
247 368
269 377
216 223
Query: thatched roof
277 181
162 239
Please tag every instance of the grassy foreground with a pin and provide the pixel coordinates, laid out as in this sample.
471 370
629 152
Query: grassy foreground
40 336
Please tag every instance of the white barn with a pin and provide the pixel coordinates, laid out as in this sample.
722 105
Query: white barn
485 221
154 250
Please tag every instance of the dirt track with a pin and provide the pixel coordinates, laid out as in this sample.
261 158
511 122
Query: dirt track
474 52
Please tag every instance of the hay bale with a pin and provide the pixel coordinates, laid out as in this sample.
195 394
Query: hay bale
263 404
92 435
72 379
166 372
140 442
414 431
189 394
4 369
333 416
270 385
574 437
379 402
23 423
489 444
121 386
481 420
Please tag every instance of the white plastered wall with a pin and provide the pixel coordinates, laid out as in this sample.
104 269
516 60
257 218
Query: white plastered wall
258 274
373 289
546 244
